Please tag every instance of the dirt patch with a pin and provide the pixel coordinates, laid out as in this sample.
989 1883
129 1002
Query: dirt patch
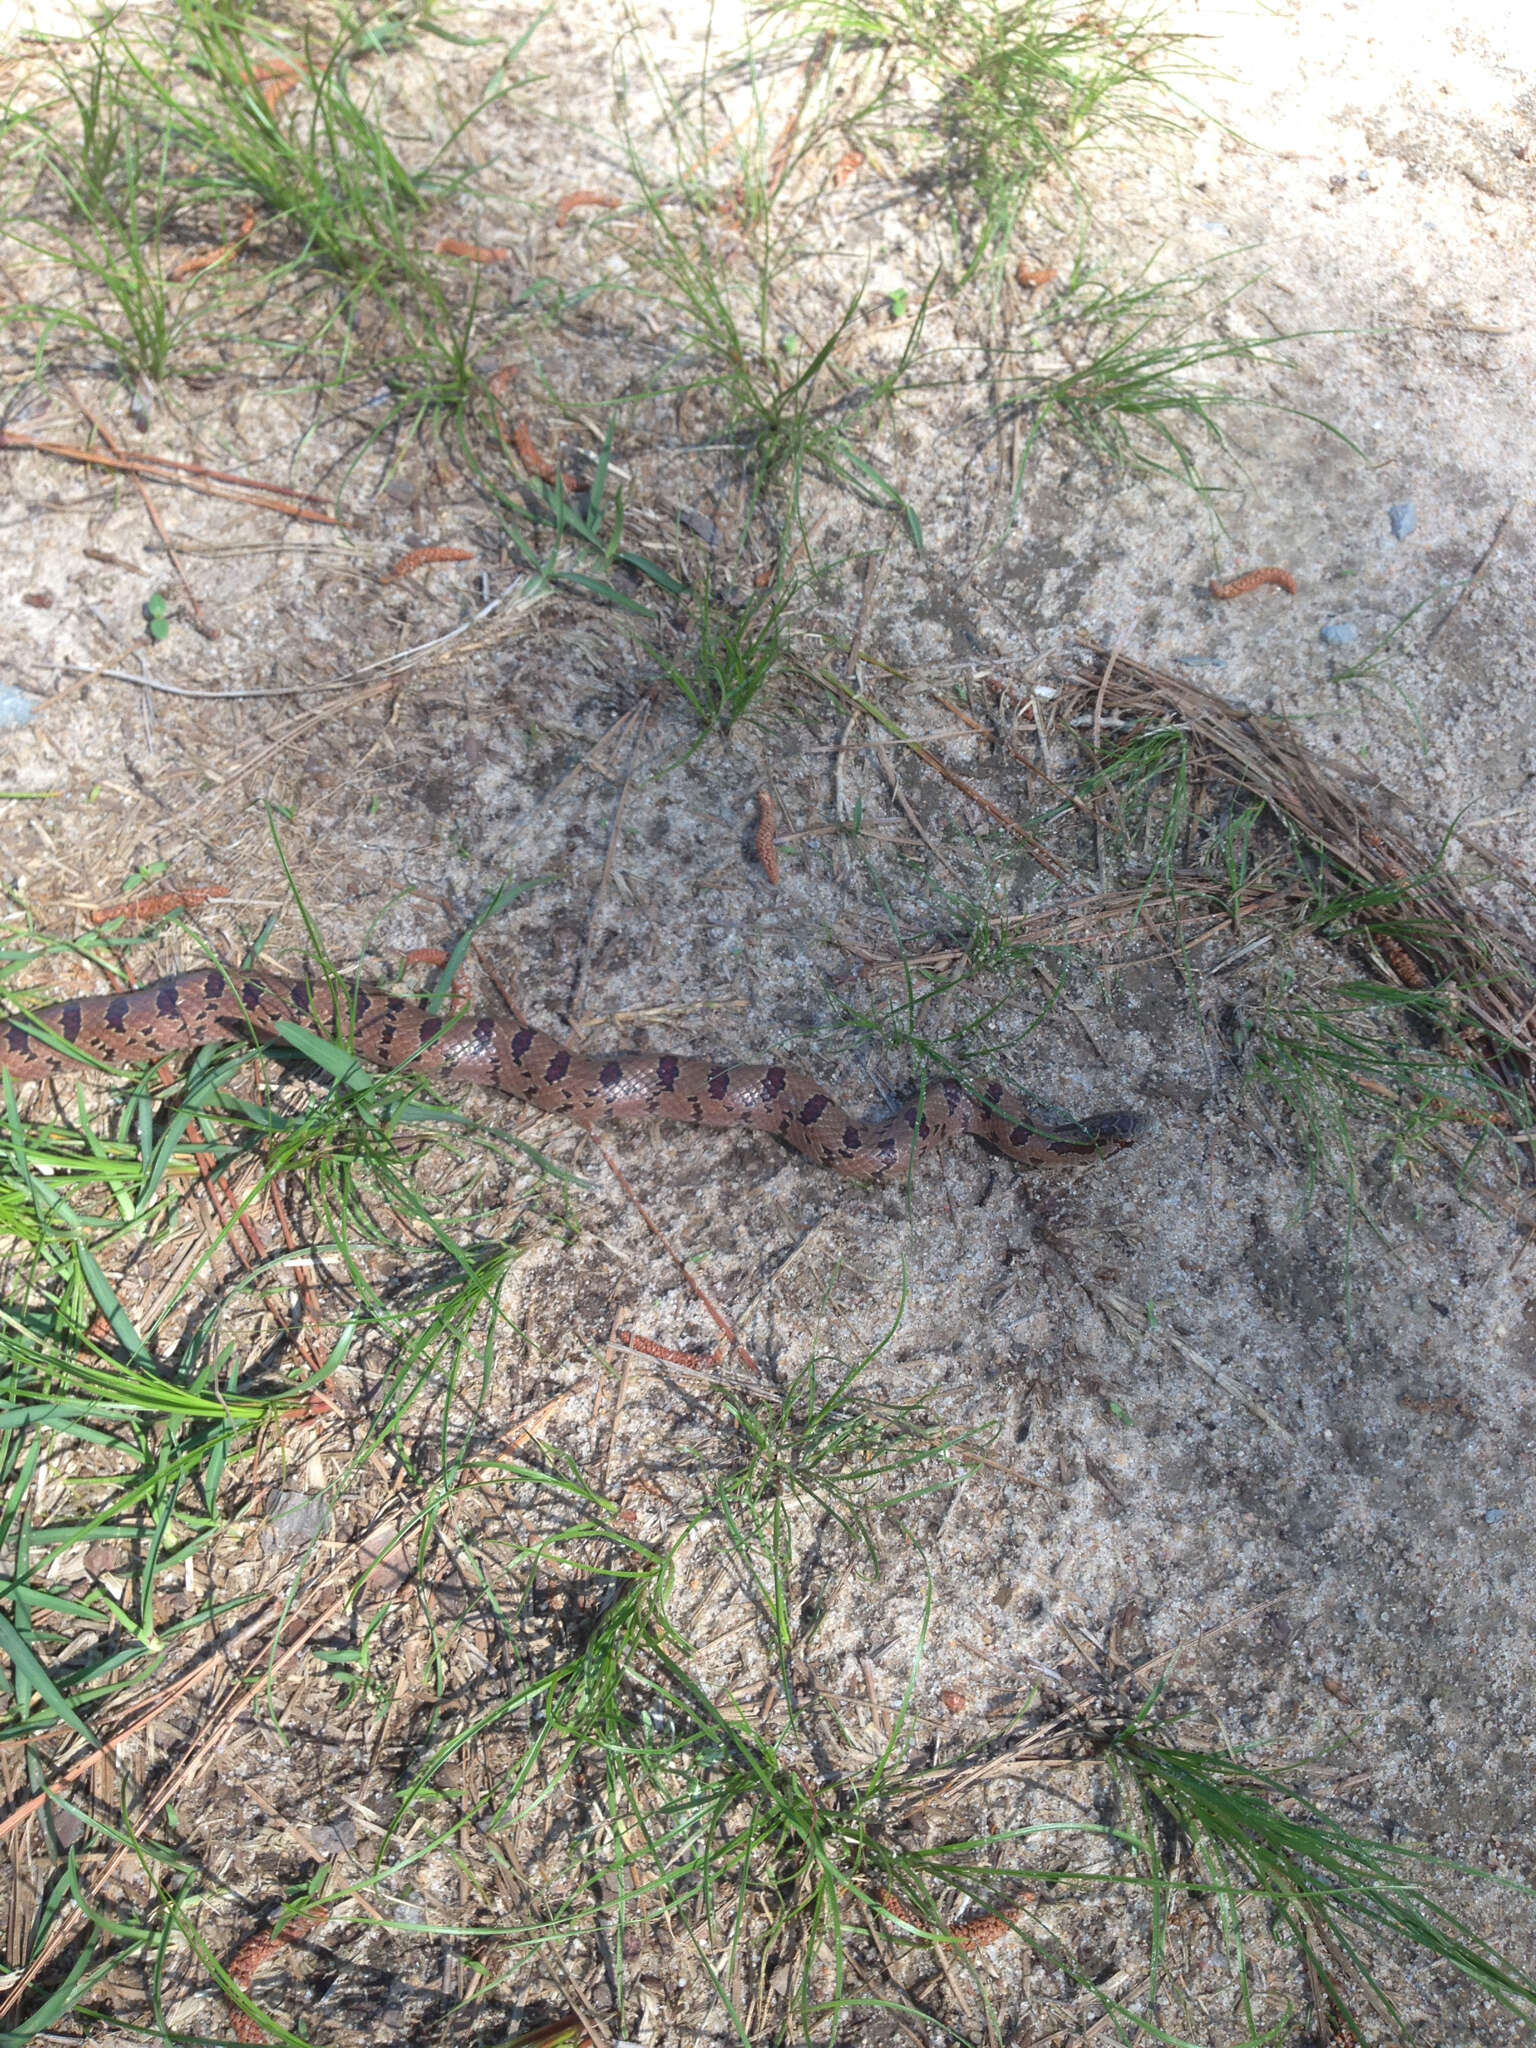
1298 1467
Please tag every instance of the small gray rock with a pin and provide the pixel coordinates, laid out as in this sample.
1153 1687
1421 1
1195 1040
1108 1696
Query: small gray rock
15 709
1493 1514
332 1837
701 524
1404 519
296 1519
67 1827
1337 634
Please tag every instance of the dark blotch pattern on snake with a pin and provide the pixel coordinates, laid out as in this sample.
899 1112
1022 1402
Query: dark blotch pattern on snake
212 1005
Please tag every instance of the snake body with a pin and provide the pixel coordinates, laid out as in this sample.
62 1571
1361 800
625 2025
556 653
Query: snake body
224 1005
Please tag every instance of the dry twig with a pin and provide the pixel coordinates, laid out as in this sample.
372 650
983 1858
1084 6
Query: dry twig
1472 581
767 827
190 475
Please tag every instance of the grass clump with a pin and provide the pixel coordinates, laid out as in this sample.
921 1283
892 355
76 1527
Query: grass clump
296 132
722 259
108 177
1430 1055
986 99
618 1784
789 405
1341 1901
1136 375
164 1397
736 649
168 140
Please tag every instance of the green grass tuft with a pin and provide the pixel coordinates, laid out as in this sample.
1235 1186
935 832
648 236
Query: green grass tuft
985 98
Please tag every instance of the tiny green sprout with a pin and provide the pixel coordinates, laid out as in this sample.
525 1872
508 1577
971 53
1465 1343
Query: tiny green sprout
154 607
1120 1412
156 623
158 628
898 303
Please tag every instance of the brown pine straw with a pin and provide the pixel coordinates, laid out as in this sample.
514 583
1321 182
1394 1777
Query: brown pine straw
1115 924
1455 946
209 632
212 1733
968 790
191 476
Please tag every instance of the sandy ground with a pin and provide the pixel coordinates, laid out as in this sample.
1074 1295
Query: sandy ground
1347 1551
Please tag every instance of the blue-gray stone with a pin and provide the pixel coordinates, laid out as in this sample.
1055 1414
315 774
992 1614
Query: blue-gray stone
15 709
1337 634
1493 1515
293 1522
1404 519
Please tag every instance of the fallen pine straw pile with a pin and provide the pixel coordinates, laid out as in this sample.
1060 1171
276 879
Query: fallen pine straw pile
1374 885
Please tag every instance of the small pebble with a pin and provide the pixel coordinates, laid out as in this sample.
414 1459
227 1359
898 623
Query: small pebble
701 524
1404 519
293 1521
1337 634
334 1837
15 709
1493 1515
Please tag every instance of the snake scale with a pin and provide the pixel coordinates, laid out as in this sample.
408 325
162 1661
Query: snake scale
223 1005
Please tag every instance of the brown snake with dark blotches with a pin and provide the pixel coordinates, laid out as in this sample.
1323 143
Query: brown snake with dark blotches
220 1005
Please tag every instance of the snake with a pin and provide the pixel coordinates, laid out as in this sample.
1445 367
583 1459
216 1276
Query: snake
219 1004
